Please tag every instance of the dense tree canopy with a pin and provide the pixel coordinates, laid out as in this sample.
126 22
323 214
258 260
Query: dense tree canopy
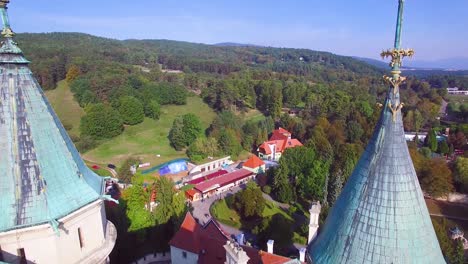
131 110
101 121
250 202
301 173
185 130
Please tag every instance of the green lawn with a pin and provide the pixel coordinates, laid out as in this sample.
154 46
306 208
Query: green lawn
148 139
67 109
272 209
253 115
225 215
230 217
457 98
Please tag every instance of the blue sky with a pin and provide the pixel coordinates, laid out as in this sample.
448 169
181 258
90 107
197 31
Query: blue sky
435 29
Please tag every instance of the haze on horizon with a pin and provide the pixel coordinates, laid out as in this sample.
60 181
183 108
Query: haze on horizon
434 29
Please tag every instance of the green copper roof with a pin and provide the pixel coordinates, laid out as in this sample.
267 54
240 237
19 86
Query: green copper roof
42 177
381 216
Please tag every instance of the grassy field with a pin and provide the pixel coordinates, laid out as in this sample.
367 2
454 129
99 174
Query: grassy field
148 139
253 115
67 109
457 98
225 215
230 217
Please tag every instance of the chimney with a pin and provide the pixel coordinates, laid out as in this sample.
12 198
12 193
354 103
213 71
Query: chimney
235 254
314 220
302 252
270 246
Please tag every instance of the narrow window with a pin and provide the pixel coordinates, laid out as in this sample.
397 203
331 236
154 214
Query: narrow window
184 254
22 256
80 237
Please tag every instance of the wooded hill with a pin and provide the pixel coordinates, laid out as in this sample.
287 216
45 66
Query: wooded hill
52 53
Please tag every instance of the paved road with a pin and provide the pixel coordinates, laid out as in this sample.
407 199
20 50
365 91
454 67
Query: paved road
202 207
450 217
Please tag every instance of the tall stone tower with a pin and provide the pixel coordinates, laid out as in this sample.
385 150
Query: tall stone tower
51 204
381 216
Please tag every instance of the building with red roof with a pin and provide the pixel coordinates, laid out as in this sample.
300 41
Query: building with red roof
254 164
279 141
209 244
193 195
224 182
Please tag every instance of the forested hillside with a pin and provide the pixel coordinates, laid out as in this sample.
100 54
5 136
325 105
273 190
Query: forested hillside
120 82
122 85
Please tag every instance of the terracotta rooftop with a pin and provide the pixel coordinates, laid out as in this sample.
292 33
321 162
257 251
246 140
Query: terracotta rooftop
223 180
208 241
253 162
280 134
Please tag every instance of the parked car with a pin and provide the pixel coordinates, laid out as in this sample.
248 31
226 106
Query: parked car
111 166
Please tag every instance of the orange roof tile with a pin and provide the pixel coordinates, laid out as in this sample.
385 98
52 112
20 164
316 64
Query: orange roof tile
208 242
187 236
253 162
265 147
280 134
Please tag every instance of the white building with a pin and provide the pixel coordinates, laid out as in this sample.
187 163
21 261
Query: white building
457 91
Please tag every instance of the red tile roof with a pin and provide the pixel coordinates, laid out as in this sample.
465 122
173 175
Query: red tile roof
263 257
280 134
208 242
208 177
253 162
191 193
223 180
265 147
187 236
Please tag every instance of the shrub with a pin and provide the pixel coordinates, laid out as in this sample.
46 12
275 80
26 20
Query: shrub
266 189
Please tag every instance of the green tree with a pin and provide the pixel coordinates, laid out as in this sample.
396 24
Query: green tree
100 122
229 143
431 140
202 148
250 202
408 121
302 168
124 173
192 128
461 172
282 188
131 110
436 178
443 147
164 196
459 253
152 109
177 134
355 131
136 198
440 228
418 120
185 130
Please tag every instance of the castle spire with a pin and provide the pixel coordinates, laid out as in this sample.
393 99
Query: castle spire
399 24
6 32
381 215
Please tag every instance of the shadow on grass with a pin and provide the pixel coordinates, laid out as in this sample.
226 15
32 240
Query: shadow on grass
275 223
